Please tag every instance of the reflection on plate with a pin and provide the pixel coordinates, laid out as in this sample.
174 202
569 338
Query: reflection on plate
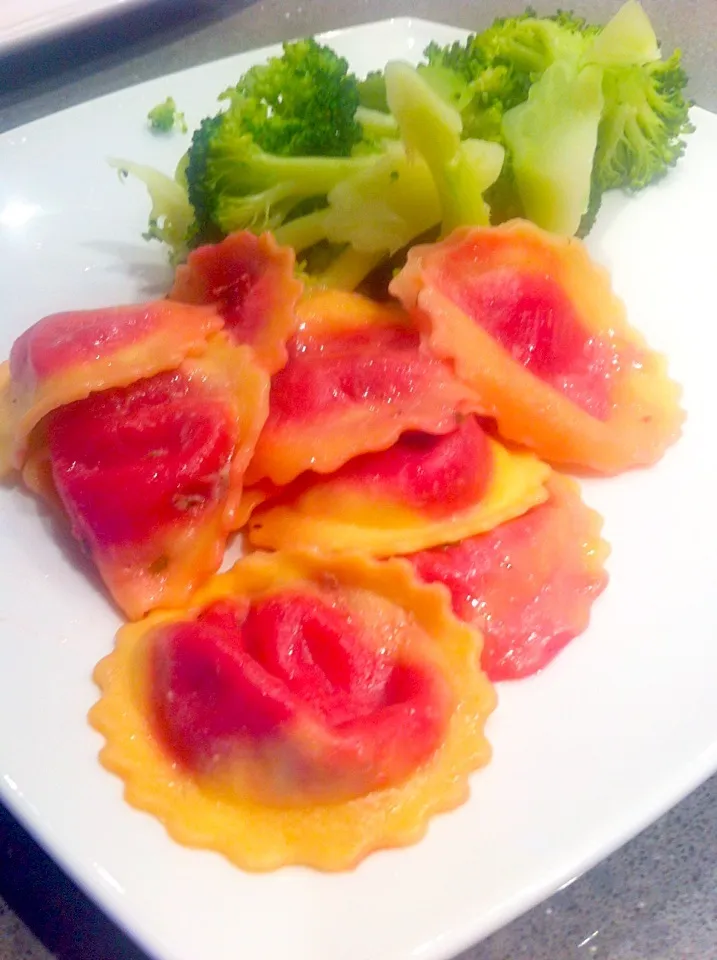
622 725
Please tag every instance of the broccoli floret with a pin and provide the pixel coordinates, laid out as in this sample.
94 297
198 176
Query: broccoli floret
497 68
165 116
302 103
234 184
528 44
286 136
645 118
372 92
481 90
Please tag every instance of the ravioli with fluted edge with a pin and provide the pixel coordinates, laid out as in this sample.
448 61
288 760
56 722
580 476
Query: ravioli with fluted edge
150 476
529 584
533 325
68 356
356 379
423 491
304 710
251 280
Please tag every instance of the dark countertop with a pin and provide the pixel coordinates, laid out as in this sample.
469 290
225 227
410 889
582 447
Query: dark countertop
656 899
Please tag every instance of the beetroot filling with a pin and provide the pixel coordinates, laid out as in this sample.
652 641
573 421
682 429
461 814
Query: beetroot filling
241 673
437 474
523 584
377 367
66 339
132 461
533 319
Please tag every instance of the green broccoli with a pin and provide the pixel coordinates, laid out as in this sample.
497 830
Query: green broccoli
626 40
534 116
171 213
645 113
233 184
165 116
372 92
499 65
427 180
462 170
285 137
300 104
369 217
552 139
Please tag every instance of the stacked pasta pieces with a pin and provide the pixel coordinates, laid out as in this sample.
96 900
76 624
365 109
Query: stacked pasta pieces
392 467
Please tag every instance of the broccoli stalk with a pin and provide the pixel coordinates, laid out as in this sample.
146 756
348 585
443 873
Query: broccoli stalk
347 270
626 40
462 170
371 215
552 139
171 212
234 184
376 125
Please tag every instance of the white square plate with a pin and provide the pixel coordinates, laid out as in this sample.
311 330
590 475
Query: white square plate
622 724
22 21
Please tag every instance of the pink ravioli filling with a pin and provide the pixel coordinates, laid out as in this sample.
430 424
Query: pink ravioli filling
65 340
293 670
129 462
376 367
527 584
251 281
436 474
533 319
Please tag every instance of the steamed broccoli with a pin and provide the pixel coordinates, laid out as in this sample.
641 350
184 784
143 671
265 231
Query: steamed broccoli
534 116
644 114
234 184
552 139
645 117
372 204
165 116
378 210
498 66
300 104
429 179
171 213
286 137
372 91
462 170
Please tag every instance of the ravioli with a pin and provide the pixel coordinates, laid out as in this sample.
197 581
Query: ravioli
251 280
532 324
150 475
423 491
529 584
357 378
67 356
305 710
